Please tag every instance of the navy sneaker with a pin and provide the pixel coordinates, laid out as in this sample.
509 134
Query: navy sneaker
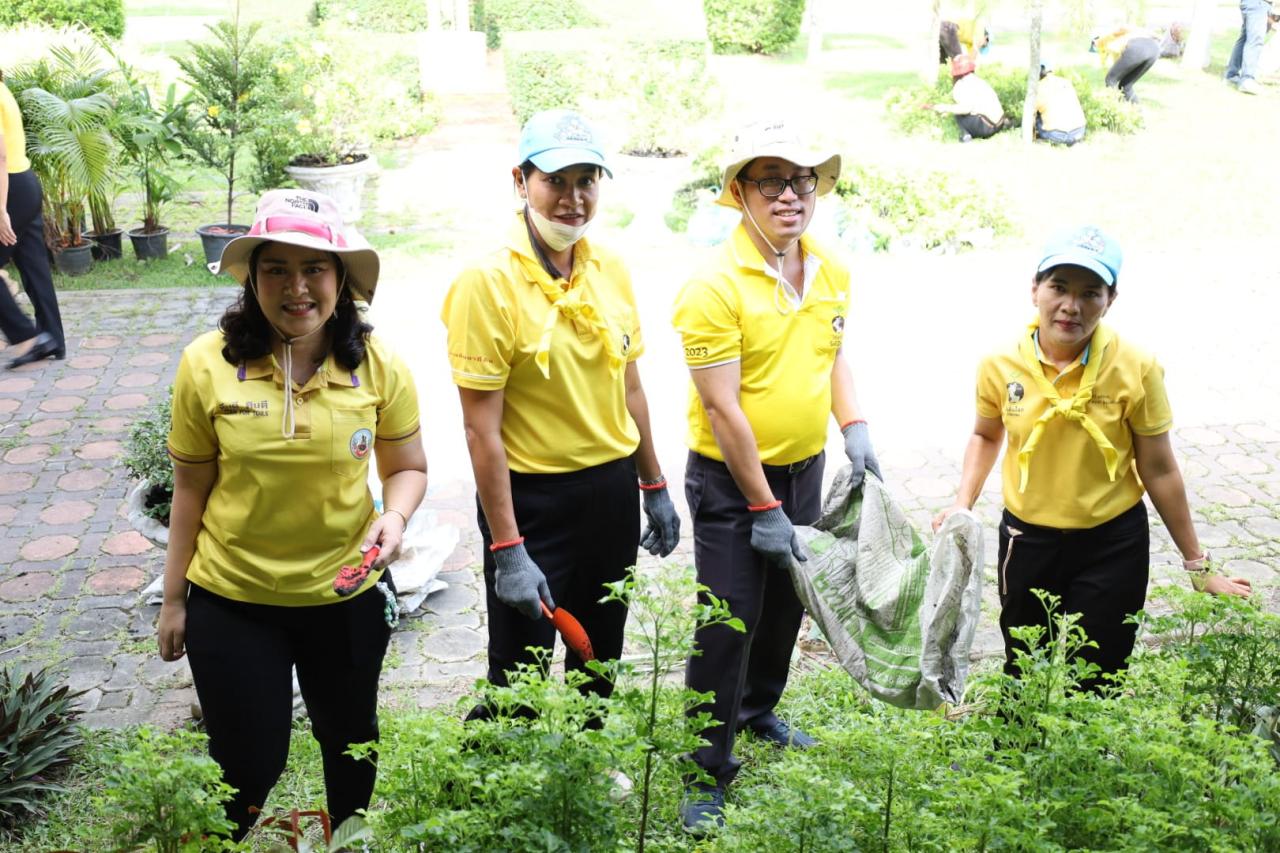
702 809
783 734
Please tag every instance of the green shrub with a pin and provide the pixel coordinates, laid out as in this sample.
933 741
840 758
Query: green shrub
753 26
100 16
667 91
382 16
521 15
37 735
545 79
705 171
483 22
146 456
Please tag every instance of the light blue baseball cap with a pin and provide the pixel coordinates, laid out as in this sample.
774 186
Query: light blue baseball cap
555 139
1086 247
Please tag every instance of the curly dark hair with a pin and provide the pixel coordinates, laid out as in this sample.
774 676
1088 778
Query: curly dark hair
248 335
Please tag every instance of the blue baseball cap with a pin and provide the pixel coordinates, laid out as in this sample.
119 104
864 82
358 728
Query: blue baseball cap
556 139
1086 247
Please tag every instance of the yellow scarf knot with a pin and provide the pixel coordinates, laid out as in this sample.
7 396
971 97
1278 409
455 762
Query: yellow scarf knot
573 305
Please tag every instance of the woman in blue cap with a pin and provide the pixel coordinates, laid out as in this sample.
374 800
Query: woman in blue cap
1087 424
543 337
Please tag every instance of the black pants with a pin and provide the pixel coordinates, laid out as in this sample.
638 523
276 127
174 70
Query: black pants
979 127
1100 573
1136 59
31 258
746 671
582 528
241 656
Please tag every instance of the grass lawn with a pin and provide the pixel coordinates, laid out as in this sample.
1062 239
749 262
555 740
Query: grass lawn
129 272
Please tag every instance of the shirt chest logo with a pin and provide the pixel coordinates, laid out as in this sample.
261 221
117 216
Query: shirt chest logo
257 408
360 443
1015 391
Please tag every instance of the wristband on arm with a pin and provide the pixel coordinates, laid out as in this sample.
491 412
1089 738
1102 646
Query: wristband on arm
511 543
1200 569
653 485
848 424
765 507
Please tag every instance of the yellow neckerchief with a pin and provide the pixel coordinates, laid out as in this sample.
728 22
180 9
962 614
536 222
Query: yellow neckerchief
568 299
1073 409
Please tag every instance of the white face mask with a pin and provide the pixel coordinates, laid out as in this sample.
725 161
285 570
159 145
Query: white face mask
556 235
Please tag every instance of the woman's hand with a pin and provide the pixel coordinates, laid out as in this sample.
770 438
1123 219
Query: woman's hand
942 516
7 236
1219 585
387 532
171 631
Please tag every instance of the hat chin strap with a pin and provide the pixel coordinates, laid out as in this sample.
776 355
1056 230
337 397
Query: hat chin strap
779 255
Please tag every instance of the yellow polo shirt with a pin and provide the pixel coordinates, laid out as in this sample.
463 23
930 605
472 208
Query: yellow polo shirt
498 314
285 515
1068 486
15 139
733 310
1058 106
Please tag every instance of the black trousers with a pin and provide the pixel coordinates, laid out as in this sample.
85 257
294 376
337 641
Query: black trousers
1136 59
31 258
1100 573
978 126
746 671
582 528
241 657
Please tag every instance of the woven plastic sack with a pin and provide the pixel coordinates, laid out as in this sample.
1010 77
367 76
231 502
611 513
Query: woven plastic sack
900 620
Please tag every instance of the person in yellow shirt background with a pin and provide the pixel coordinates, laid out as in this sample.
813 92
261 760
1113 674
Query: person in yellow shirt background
762 324
1087 422
1059 116
962 34
1127 53
275 416
543 337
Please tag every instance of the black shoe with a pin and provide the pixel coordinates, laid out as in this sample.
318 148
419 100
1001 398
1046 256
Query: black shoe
43 347
783 734
702 809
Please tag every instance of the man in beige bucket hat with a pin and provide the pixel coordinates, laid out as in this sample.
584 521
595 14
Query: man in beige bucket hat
762 324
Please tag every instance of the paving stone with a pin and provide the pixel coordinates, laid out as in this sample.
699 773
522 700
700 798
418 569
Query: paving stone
118 581
127 544
1201 436
16 384
76 382
27 454
117 423
97 624
125 675
1258 432
433 621
901 459
9 406
453 644
66 512
7 513
148 359
112 701
125 401
88 701
454 598
63 404
49 548
15 482
161 340
930 487
155 672
100 342
137 380
1256 572
84 673
1225 495
464 556
96 450
83 480
1265 527
88 362
14 625
1241 464
438 673
27 587
48 426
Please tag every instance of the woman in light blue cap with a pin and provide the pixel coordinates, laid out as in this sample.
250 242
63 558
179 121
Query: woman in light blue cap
543 337
1087 424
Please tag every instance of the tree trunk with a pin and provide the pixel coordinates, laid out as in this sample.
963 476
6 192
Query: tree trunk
434 18
932 13
814 54
1197 52
462 15
1033 73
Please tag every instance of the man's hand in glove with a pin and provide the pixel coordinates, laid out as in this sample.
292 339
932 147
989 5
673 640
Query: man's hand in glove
857 446
519 583
663 531
773 536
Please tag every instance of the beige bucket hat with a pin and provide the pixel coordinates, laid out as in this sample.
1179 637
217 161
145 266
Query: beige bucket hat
781 139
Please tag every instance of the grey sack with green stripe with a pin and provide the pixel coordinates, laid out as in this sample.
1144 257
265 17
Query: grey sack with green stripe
900 618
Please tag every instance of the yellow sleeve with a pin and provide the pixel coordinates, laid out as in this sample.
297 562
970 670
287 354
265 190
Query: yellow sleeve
481 332
636 345
988 391
398 410
708 323
192 440
1151 414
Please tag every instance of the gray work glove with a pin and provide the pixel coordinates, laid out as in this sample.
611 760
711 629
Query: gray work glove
857 446
519 583
773 536
663 531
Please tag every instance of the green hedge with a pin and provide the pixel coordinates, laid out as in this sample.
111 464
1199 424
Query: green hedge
101 16
666 91
754 26
521 15
545 79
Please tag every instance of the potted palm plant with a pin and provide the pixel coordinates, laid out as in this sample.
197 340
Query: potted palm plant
105 236
226 75
147 134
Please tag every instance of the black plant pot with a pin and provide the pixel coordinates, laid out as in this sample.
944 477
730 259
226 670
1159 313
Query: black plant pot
216 237
74 260
106 247
149 247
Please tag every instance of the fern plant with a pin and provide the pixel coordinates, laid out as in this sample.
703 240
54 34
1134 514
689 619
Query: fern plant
37 735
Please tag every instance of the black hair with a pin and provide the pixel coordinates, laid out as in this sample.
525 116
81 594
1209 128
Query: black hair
248 335
1044 276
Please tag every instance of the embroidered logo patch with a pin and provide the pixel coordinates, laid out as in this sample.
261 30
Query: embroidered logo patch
361 442
1091 239
837 324
1015 392
572 129
303 203
626 343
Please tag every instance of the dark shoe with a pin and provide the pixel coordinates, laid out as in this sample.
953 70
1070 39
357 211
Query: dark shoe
44 347
783 734
702 809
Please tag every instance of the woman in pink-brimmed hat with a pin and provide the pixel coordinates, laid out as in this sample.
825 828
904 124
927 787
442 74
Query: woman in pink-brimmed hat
275 417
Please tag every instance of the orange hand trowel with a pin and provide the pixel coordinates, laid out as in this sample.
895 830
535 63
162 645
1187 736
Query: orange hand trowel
575 636
350 578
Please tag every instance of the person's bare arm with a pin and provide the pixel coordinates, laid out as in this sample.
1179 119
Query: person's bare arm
980 456
7 235
191 487
718 387
646 456
482 422
402 468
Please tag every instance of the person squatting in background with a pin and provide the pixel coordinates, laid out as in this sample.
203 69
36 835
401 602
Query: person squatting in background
1059 116
977 108
274 417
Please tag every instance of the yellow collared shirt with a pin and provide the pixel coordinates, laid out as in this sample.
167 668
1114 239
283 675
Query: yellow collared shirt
733 310
285 515
1068 486
496 312
1058 106
15 139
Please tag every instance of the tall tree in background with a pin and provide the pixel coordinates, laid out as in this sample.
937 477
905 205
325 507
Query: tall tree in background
1197 53
1033 72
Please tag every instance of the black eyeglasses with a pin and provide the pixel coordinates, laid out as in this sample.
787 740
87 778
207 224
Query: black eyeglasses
774 187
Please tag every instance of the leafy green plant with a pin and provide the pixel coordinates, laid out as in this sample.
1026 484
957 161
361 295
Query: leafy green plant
37 736
147 135
101 16
146 456
289 829
545 79
705 175
667 91
164 790
752 26
521 15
